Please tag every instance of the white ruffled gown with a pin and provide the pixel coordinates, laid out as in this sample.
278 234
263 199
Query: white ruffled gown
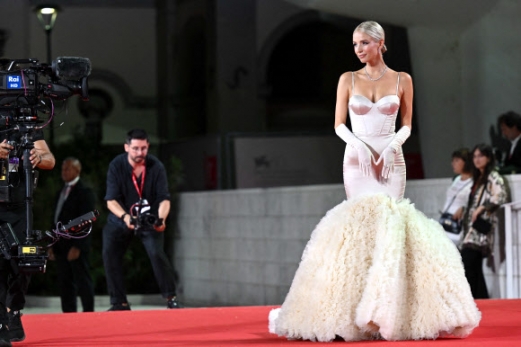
375 267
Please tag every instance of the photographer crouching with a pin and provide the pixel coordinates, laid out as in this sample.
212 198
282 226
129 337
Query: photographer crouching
139 201
14 283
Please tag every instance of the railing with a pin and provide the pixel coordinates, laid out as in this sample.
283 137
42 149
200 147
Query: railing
512 254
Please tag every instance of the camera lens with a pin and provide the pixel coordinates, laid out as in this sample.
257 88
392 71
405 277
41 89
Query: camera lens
151 220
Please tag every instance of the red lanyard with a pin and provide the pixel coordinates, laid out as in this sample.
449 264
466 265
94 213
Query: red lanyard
134 179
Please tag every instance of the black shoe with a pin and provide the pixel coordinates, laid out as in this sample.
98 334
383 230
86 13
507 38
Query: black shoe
119 307
16 329
173 303
5 337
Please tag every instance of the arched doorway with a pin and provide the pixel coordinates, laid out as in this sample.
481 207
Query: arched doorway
190 85
302 74
299 70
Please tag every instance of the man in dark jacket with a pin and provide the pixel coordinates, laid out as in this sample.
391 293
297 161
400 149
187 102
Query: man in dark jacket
510 126
72 255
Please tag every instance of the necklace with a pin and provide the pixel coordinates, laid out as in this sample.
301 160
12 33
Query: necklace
374 79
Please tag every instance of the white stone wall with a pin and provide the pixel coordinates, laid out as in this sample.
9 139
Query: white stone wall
242 247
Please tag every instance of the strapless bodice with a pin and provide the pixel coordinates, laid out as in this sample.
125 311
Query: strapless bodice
373 118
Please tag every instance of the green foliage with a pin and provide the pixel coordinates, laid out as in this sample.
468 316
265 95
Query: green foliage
95 160
174 169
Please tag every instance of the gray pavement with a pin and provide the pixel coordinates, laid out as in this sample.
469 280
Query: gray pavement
48 304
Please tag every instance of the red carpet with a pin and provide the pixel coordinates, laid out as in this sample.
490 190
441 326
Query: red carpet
230 326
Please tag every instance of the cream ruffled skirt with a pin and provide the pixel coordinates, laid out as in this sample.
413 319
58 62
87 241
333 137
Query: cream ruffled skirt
375 268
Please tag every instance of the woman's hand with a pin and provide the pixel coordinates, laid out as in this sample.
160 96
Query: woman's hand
365 158
458 215
387 157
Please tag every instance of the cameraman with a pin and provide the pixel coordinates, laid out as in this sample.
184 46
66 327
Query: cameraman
132 177
13 283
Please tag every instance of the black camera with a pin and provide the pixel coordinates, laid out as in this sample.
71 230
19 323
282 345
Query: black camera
146 221
25 83
31 256
142 218
27 90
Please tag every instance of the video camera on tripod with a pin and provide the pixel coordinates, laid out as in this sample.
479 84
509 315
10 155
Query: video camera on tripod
27 89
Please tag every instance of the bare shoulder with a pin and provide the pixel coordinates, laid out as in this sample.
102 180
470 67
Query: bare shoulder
345 77
405 78
345 80
405 82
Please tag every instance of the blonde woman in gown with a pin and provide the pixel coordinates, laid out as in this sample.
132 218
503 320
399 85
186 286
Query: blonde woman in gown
375 267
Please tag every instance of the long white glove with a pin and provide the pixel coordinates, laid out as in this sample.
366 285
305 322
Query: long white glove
364 153
389 153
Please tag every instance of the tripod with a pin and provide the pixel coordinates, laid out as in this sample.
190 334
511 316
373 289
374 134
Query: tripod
27 145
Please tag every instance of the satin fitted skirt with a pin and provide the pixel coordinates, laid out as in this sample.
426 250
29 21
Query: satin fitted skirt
356 184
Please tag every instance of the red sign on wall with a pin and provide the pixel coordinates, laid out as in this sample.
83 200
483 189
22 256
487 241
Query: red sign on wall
210 171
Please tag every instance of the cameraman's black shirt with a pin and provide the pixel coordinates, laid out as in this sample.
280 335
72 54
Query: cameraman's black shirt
120 186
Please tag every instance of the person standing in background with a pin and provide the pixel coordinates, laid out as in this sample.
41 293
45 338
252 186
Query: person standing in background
459 190
488 193
72 255
510 126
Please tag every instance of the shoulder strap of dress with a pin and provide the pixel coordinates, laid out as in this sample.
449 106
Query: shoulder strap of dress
398 83
352 81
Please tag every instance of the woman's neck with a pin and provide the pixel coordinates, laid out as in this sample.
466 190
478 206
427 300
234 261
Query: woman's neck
465 176
375 66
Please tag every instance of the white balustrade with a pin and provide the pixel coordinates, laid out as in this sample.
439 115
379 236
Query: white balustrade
512 256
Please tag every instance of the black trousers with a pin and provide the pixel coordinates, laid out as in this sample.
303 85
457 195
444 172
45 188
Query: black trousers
74 280
473 264
13 284
116 239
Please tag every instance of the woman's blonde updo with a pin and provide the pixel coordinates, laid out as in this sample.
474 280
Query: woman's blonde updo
374 30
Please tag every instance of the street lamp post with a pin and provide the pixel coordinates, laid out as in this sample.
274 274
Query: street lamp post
47 15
